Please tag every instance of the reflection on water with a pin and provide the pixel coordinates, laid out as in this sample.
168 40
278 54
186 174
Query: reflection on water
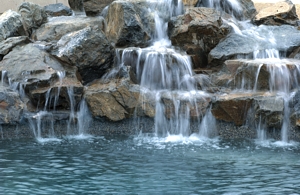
148 165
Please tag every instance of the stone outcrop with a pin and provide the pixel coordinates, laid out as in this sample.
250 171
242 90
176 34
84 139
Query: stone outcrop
283 12
54 29
129 24
33 72
33 16
11 25
58 9
95 7
11 106
198 31
87 49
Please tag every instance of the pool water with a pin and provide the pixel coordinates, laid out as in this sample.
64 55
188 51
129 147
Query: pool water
148 165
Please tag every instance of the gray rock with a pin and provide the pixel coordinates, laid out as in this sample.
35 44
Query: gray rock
7 45
284 38
33 72
33 16
269 110
11 106
88 50
129 24
76 5
95 7
11 25
58 9
56 27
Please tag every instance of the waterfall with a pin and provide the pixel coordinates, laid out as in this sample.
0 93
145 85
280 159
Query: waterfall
168 74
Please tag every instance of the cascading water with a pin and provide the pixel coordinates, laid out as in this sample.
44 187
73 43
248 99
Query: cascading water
167 75
268 51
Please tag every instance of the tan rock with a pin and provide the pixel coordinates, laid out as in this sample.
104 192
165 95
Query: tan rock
277 14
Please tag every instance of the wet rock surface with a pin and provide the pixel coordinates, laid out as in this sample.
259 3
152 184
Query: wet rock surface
32 72
235 45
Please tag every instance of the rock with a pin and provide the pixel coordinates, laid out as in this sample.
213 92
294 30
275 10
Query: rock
115 100
198 31
55 28
260 74
232 108
240 9
190 3
58 9
34 72
129 24
196 108
95 7
283 12
33 16
247 44
11 106
269 110
11 25
76 5
82 49
7 45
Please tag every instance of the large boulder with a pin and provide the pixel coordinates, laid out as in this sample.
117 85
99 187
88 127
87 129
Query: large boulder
283 12
95 7
58 9
87 49
11 25
11 106
246 43
34 73
198 31
129 23
55 28
33 16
